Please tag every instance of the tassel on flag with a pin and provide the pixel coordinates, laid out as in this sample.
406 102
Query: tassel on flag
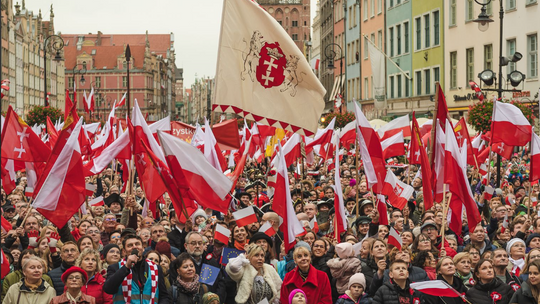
267 229
222 234
394 238
98 201
488 192
90 189
505 224
245 216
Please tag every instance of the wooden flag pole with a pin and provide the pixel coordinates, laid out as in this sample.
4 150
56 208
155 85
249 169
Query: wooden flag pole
26 216
445 214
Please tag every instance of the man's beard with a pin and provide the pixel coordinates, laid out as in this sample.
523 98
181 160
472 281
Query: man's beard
195 253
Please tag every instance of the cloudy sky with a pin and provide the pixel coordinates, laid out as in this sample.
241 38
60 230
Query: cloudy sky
195 24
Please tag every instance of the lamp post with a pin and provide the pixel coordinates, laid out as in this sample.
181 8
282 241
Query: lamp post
128 58
487 76
81 71
56 44
331 55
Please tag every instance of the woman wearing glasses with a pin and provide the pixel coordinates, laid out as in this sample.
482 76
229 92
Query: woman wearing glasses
74 279
90 262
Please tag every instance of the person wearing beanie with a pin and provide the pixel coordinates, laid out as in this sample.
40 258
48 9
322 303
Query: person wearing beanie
533 241
516 254
74 278
163 247
297 296
344 266
110 255
210 298
355 293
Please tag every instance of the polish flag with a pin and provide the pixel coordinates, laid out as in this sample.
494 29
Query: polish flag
348 133
436 288
163 124
418 155
283 204
456 179
488 192
400 124
98 201
339 204
85 102
212 153
322 137
509 125
381 208
119 149
90 189
438 164
292 150
535 158
394 238
483 170
206 185
4 262
245 216
397 191
122 101
314 225
267 229
61 189
477 144
505 223
89 101
222 234
393 146
6 225
371 152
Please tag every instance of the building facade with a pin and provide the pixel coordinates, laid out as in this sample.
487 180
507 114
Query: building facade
327 37
353 33
101 60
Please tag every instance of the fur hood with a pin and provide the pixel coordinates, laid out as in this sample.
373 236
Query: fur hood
245 277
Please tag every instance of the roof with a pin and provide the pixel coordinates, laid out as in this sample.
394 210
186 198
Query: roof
105 56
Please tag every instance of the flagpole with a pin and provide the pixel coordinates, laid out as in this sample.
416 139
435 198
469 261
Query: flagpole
26 216
357 177
434 125
445 214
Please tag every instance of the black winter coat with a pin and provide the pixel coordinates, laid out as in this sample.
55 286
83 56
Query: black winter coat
56 277
482 293
184 297
457 284
524 295
369 269
390 292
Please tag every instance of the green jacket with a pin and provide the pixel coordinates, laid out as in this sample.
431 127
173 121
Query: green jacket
14 278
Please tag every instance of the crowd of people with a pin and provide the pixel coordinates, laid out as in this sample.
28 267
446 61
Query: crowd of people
120 253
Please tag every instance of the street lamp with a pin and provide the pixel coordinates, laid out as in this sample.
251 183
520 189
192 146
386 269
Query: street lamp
80 71
488 76
331 55
56 45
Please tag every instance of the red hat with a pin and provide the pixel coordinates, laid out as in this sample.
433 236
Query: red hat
74 269
163 247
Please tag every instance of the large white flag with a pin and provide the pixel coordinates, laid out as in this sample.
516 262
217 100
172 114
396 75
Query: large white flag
261 74
377 66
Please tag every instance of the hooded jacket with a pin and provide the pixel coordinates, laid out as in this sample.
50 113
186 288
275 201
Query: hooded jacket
524 295
484 293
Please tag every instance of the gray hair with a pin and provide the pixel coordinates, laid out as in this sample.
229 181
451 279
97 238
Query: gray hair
33 258
188 236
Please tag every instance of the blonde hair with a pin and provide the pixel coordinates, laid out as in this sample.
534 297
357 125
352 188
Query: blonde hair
252 250
460 256
34 258
90 251
300 249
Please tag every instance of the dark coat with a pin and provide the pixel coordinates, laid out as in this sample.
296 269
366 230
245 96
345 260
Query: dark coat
524 295
56 277
369 269
457 284
316 286
177 239
390 292
185 297
481 293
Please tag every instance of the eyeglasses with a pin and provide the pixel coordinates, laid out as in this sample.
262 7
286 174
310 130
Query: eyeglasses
92 231
428 229
110 219
74 278
196 243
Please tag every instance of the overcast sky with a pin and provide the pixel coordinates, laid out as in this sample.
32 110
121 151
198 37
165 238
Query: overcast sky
195 24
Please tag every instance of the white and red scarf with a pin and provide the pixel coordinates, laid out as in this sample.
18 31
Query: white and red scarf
126 284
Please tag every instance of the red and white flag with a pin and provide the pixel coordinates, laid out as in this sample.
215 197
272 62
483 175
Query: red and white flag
438 164
292 150
323 137
488 192
394 238
222 234
393 146
212 153
505 223
509 125
400 124
348 133
397 191
436 288
121 102
207 185
483 169
6 225
535 158
339 204
267 229
4 265
283 204
119 149
90 189
418 155
261 73
98 201
381 208
61 189
314 225
245 216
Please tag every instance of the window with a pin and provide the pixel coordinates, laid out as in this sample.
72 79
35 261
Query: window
398 80
366 50
470 65
392 84
469 11
391 40
532 56
379 6
98 82
379 39
295 37
391 3
406 36
510 50
453 70
488 57
365 10
418 79
70 82
407 81
295 23
436 34
427 81
510 4
426 31
530 2
418 22
366 88
436 77
372 8
452 13
398 35
489 8
124 81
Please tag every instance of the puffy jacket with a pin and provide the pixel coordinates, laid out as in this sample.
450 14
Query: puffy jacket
62 299
457 284
316 286
524 295
483 293
390 292
56 277
346 299
14 278
342 270
94 288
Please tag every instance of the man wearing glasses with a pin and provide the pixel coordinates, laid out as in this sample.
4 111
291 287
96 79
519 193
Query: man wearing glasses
69 254
109 226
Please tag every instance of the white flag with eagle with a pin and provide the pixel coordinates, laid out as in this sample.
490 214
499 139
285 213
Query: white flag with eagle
262 75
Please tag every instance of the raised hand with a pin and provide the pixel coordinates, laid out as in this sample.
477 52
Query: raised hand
32 239
53 240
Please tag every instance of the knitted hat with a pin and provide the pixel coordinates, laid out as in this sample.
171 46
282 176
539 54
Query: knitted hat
107 248
512 242
163 247
357 278
344 250
302 244
74 269
210 297
291 295
531 237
